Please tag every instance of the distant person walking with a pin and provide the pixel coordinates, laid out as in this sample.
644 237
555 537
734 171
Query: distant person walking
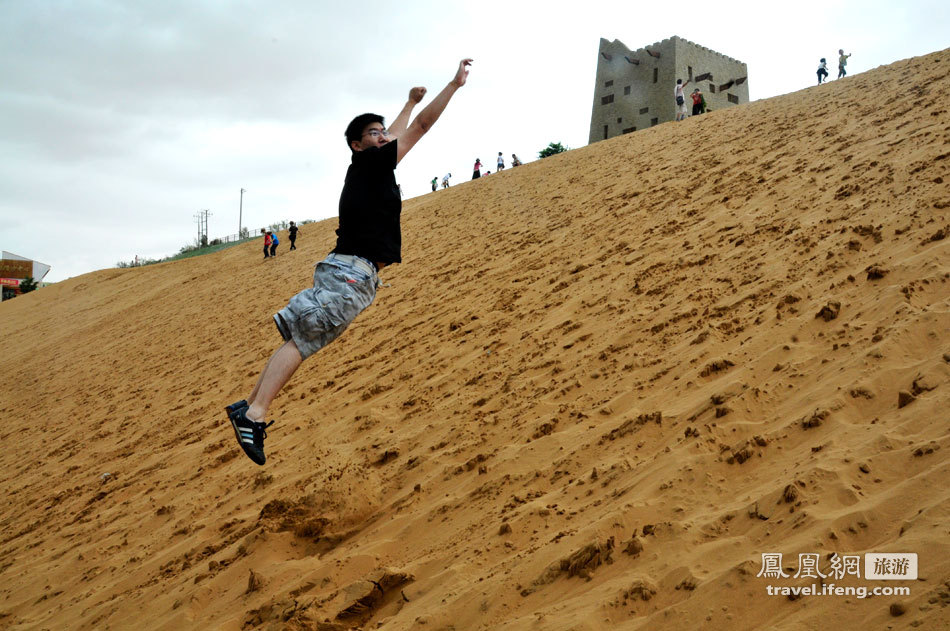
435 181
680 99
273 243
822 70
501 162
267 241
699 103
477 171
445 180
842 62
292 233
515 162
369 238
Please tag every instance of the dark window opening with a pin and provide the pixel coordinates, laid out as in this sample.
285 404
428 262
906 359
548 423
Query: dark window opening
644 110
656 74
619 120
689 71
712 88
654 121
626 90
605 132
607 99
629 129
607 84
733 98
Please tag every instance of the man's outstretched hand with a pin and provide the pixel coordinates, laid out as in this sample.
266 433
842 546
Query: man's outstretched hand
409 136
462 73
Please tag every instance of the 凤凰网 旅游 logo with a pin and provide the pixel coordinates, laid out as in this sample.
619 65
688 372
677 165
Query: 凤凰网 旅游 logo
879 566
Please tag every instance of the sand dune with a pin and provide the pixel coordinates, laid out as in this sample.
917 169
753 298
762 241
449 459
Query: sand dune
599 389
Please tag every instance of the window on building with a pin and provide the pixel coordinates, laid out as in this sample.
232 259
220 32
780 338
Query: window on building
689 71
607 99
644 110
605 132
733 98
607 84
626 90
654 121
629 129
619 120
656 74
712 88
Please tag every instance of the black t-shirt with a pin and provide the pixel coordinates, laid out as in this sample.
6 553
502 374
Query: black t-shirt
370 206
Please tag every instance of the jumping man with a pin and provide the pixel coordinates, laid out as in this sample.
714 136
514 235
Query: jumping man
345 282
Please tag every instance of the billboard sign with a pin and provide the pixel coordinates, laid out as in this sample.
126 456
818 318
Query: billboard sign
12 268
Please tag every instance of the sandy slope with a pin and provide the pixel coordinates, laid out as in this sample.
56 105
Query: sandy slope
592 397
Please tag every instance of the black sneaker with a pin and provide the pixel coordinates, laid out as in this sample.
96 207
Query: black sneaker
234 407
250 434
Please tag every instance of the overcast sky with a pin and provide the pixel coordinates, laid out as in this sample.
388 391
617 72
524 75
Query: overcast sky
119 121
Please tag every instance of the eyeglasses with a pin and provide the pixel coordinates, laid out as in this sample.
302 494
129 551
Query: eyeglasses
376 133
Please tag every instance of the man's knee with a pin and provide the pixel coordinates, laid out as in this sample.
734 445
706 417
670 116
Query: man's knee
291 345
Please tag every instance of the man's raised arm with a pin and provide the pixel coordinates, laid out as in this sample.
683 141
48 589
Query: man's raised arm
430 113
398 126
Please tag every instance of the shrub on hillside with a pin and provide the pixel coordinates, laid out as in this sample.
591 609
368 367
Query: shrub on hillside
28 284
551 149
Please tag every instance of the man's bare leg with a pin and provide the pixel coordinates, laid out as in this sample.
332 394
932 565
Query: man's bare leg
260 378
279 369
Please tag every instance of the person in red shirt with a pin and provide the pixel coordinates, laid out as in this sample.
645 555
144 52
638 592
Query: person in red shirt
267 242
699 104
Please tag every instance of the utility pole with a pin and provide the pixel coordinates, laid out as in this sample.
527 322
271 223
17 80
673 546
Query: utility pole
202 218
240 214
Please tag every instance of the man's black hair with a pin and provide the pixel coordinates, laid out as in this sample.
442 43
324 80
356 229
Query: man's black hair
354 131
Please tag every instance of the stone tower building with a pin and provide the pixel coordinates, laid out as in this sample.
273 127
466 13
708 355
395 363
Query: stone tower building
634 88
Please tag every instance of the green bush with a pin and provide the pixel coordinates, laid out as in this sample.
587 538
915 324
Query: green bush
27 285
551 149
